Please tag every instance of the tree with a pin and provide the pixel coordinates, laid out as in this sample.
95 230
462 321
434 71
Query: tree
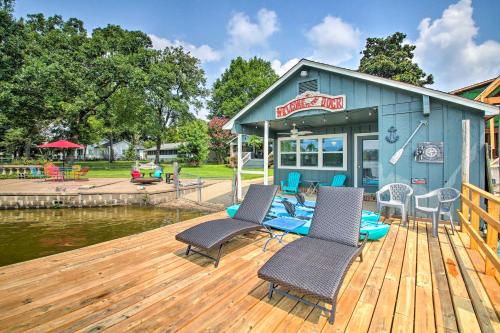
255 142
118 117
219 138
174 85
195 141
239 84
12 41
61 76
390 58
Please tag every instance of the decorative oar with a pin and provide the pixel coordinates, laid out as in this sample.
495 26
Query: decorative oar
397 155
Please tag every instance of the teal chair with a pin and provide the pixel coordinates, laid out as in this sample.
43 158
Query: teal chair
36 173
337 181
292 185
157 173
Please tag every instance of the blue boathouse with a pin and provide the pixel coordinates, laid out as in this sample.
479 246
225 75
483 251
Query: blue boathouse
323 120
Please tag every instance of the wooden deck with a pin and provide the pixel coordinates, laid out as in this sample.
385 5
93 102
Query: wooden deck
408 282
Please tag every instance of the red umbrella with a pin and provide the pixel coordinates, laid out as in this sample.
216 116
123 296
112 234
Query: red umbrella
61 144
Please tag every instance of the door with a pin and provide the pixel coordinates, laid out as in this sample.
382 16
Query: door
367 162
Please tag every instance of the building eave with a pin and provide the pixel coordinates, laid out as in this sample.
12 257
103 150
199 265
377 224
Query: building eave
488 109
472 86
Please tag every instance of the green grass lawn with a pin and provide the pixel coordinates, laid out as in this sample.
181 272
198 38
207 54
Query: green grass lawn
121 169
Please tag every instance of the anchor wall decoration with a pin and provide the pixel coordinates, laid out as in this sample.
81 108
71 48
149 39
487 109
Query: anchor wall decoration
392 137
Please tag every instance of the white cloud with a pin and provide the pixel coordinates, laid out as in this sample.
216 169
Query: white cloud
203 52
447 48
244 33
282 68
334 41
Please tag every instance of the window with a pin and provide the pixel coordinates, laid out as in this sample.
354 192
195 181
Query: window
310 85
333 152
313 152
309 152
288 152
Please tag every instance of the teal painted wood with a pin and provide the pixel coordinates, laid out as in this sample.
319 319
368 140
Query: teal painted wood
397 108
292 184
337 181
325 176
427 104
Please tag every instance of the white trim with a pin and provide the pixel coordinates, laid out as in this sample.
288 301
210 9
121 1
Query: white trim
297 165
266 152
252 172
488 109
239 192
356 136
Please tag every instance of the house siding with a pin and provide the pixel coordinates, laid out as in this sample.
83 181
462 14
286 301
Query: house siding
398 108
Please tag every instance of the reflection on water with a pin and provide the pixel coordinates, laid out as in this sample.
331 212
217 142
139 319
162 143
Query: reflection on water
29 234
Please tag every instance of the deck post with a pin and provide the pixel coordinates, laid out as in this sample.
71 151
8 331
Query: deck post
176 179
240 166
465 150
266 151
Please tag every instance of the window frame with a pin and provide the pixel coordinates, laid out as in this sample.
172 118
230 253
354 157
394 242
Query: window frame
320 138
287 152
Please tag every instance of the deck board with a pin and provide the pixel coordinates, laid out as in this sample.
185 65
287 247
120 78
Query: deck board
408 281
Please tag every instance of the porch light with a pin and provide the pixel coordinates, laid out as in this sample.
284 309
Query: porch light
303 73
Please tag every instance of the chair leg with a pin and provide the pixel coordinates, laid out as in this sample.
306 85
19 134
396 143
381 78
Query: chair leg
218 256
188 249
379 208
414 218
331 320
271 289
452 224
435 220
404 217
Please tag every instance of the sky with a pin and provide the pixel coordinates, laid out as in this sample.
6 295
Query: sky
457 41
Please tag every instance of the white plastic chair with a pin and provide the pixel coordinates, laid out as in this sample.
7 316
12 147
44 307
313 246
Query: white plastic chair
445 198
399 198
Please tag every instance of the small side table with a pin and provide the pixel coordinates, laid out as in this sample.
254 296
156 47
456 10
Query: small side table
286 224
312 187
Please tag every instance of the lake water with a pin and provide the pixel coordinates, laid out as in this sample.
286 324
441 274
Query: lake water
29 234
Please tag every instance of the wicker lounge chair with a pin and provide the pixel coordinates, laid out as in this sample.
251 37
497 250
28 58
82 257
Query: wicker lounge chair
315 265
212 235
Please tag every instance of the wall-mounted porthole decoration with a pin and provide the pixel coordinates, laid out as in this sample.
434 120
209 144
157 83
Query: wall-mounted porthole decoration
392 137
430 152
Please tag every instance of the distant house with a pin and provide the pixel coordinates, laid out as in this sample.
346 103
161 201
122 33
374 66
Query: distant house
102 150
168 152
487 92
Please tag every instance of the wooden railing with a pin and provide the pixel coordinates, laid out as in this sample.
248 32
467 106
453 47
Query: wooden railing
471 214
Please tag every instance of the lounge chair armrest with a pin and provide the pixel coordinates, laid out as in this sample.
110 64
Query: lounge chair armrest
282 183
